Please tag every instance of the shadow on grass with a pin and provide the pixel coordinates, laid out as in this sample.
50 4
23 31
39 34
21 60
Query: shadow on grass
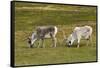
59 45
75 45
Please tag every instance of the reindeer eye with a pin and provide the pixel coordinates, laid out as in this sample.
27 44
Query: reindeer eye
70 42
29 41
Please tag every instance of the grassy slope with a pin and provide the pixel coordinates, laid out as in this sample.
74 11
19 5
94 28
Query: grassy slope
66 17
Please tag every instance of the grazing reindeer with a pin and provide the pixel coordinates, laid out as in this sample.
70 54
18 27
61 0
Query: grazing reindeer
78 33
41 33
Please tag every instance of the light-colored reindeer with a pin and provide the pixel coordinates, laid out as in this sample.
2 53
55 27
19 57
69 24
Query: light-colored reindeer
78 33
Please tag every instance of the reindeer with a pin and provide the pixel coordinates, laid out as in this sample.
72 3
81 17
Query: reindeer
78 33
40 35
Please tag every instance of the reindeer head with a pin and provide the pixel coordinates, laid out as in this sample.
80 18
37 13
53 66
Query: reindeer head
69 40
32 39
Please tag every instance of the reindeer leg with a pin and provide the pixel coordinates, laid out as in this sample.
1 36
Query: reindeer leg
89 39
54 41
43 43
88 42
78 43
39 43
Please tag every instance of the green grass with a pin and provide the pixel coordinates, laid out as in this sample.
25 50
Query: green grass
29 15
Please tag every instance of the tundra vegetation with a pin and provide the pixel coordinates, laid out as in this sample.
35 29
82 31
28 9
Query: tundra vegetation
66 17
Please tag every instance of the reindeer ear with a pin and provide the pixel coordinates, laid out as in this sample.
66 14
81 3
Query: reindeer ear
28 38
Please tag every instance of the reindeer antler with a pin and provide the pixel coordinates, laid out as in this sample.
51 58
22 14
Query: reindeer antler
27 35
